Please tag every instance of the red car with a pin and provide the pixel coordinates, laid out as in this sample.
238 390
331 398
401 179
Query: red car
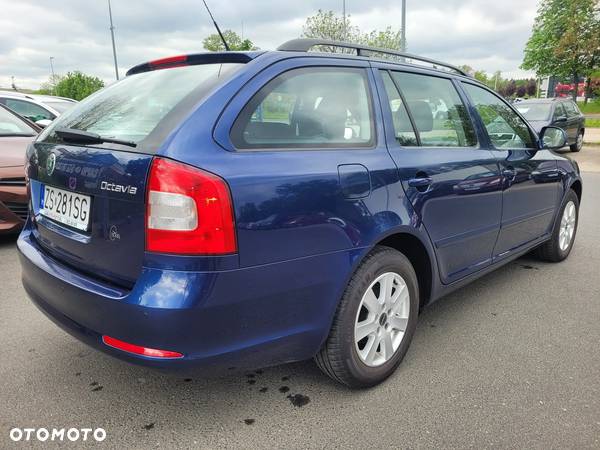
15 135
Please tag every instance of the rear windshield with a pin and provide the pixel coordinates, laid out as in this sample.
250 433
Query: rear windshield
131 108
535 111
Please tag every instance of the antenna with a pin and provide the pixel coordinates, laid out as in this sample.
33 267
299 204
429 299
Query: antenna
216 26
112 36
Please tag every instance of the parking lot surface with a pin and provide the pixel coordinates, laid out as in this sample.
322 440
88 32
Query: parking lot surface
510 361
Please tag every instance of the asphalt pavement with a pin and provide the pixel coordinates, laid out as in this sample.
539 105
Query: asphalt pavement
510 361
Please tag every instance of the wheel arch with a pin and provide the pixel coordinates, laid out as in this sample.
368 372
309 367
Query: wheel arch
416 251
577 186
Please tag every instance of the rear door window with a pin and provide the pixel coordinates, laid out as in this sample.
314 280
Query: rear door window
439 115
504 127
559 111
571 109
325 107
403 129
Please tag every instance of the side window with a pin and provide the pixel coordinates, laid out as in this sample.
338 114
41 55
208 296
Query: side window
571 109
559 111
440 116
505 128
405 134
308 108
30 110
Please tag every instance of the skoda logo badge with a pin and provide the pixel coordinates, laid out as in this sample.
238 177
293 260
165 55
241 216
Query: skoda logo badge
50 164
114 233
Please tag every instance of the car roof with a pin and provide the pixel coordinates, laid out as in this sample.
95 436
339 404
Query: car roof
35 97
300 48
361 51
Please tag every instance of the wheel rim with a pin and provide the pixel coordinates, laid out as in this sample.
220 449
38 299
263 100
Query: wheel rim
567 226
382 319
580 140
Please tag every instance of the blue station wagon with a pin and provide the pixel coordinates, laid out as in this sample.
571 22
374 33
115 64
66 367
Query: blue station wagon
246 209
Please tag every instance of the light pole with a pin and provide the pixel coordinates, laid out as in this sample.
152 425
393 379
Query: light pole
344 16
53 77
403 43
112 36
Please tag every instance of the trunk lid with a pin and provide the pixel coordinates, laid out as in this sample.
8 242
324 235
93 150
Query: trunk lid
112 247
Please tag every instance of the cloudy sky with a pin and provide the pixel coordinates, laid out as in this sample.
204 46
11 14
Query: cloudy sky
485 34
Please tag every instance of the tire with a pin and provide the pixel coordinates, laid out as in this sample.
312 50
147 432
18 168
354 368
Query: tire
578 145
554 250
340 356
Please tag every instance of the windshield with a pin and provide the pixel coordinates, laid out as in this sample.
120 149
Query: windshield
13 126
61 107
131 108
535 111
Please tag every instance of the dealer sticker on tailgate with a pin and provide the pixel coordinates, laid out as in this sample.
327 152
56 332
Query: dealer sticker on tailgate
66 207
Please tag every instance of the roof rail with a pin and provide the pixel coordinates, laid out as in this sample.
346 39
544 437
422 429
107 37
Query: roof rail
304 45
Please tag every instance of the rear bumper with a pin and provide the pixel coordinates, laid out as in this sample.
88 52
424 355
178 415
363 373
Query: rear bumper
244 318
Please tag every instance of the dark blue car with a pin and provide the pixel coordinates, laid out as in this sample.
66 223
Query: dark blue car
246 209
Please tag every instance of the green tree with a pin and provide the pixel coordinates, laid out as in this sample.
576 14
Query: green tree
387 38
234 41
328 25
466 68
510 88
77 85
565 40
47 88
481 76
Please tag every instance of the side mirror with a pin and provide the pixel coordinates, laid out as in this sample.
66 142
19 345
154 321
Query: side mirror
43 122
553 138
560 119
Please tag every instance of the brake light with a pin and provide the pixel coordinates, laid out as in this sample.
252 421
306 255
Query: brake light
168 62
139 350
188 211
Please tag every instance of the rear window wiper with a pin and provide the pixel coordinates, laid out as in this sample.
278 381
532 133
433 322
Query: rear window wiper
85 137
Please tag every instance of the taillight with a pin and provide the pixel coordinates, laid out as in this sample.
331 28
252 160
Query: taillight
188 211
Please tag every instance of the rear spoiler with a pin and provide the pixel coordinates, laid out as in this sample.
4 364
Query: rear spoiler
195 59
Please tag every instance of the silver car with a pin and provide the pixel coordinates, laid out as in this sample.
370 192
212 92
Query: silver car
41 109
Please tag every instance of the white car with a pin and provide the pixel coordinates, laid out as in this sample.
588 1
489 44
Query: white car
41 109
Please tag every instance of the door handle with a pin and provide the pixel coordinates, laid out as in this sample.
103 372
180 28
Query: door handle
420 183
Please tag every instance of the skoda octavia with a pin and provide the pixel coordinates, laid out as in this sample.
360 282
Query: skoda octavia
246 209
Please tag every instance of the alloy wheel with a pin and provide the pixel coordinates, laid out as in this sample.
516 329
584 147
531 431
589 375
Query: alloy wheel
567 226
382 319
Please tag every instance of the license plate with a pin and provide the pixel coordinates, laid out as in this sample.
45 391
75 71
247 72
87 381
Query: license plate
66 207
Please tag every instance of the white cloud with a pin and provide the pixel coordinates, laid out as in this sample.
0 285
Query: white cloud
486 35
